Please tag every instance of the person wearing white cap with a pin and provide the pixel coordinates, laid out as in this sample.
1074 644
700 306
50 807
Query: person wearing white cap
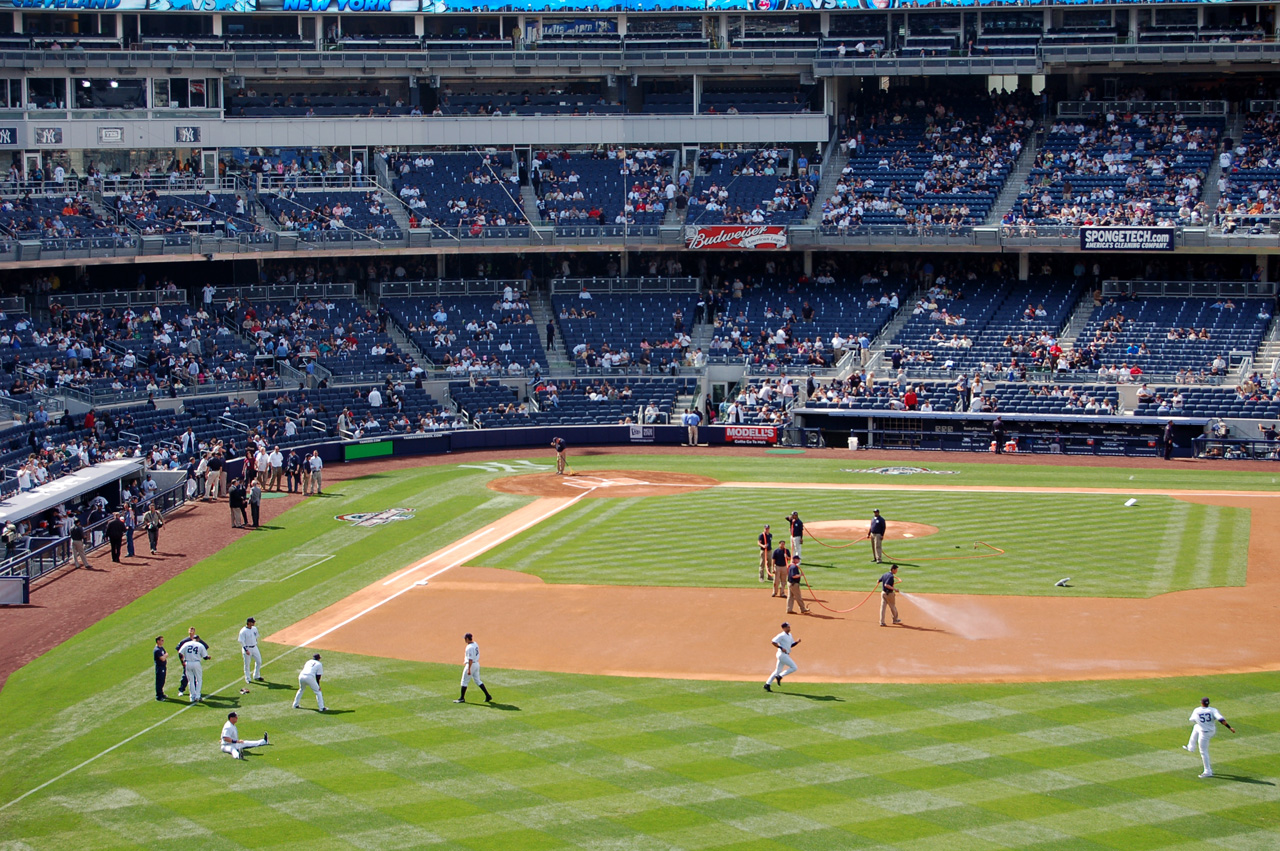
249 645
309 678
1206 720
784 641
876 533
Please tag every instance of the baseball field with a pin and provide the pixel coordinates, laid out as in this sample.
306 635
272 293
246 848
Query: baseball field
625 633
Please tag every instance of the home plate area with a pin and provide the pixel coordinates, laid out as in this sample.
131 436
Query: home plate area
611 483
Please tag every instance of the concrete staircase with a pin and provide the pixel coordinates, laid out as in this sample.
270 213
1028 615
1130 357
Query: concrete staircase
530 202
831 171
1267 358
559 361
1014 182
1211 194
882 341
1075 323
397 209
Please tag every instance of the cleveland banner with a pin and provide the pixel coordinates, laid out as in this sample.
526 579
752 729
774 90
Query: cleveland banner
1126 239
735 237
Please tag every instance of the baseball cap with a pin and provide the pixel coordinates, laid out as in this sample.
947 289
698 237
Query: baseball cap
786 623
250 620
316 656
1204 701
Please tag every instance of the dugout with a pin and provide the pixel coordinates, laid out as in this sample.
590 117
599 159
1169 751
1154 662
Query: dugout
1037 434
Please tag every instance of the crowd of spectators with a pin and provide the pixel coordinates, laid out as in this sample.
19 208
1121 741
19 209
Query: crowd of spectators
1250 180
732 194
68 215
644 187
1118 169
928 167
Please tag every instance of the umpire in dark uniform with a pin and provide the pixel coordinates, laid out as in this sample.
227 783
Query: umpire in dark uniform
1168 440
161 657
998 435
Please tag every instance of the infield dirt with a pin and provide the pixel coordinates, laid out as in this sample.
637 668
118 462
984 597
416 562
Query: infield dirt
724 634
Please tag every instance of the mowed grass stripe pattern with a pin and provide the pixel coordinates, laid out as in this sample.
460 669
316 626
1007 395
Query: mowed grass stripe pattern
707 538
594 762
589 762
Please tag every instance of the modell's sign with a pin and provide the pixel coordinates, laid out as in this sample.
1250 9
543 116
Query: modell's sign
750 434
735 236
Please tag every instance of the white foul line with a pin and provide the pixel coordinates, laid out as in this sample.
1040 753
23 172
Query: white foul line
322 560
484 548
469 539
124 742
168 718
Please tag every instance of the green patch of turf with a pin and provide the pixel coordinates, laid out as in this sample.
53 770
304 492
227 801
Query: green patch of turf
592 762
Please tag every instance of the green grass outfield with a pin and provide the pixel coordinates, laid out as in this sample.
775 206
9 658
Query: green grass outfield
571 761
707 538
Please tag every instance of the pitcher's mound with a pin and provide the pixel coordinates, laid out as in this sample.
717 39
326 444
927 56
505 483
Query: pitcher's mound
851 530
603 483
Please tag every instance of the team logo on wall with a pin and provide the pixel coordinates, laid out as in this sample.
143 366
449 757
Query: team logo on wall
900 471
376 518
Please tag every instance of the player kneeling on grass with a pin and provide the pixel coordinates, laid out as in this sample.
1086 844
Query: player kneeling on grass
231 741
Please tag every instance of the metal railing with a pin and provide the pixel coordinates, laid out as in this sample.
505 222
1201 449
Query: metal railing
1189 289
1082 108
284 292
54 552
116 298
563 286
444 289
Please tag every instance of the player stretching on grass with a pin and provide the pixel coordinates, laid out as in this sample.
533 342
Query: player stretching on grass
1206 720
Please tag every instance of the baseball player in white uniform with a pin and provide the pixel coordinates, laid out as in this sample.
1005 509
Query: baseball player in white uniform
471 670
1205 720
231 741
309 678
193 656
784 641
249 646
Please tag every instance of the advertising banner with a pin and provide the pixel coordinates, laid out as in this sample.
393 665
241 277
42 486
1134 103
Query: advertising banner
1126 239
750 434
642 433
744 237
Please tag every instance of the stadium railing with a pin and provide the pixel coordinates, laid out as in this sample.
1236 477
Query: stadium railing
48 557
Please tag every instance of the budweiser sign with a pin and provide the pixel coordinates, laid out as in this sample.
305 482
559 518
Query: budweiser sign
750 434
735 236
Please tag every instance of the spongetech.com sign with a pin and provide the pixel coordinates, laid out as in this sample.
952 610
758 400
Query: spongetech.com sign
1126 239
